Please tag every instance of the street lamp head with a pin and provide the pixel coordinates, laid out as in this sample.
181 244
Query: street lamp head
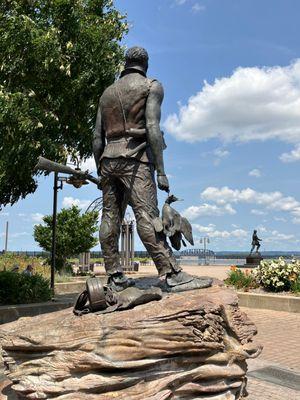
76 181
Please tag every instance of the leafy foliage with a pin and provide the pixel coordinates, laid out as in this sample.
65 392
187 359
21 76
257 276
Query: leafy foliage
74 233
56 58
295 286
18 288
241 279
277 275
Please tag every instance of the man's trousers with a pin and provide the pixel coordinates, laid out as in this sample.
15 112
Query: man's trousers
131 182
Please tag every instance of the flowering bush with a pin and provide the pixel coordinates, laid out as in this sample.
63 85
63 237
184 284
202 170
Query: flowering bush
277 275
240 279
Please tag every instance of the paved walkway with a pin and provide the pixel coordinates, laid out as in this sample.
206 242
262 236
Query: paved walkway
279 333
215 271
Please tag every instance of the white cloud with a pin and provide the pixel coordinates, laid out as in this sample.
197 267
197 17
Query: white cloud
71 201
277 236
194 212
180 2
255 172
252 104
37 217
220 154
198 8
292 156
273 236
280 219
89 164
272 200
262 228
258 212
212 232
243 237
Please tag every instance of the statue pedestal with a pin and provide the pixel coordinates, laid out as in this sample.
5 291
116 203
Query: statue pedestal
191 345
253 260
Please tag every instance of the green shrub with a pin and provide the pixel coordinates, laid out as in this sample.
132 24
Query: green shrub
277 275
240 279
295 286
18 288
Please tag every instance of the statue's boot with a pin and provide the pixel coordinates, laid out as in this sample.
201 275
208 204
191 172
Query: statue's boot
119 281
180 281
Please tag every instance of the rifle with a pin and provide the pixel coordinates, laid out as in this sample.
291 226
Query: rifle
51 166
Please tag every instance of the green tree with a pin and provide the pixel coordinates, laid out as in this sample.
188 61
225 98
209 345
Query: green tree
74 233
56 58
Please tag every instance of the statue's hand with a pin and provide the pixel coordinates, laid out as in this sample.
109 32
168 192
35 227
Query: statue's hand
163 183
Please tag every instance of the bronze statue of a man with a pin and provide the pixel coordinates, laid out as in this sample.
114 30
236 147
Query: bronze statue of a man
128 148
255 242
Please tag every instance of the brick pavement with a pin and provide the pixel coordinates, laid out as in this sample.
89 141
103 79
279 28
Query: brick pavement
279 333
215 271
261 390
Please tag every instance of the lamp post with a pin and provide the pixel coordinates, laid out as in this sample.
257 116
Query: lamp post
54 213
6 237
205 241
77 183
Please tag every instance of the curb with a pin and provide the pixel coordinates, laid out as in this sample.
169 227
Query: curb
269 302
14 312
69 287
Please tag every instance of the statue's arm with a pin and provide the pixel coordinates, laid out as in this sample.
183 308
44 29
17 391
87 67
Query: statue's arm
154 135
99 139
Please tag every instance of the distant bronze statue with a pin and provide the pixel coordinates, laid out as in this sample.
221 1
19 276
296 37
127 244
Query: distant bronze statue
255 242
128 148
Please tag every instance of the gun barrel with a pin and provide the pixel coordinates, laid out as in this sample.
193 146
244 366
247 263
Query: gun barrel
51 166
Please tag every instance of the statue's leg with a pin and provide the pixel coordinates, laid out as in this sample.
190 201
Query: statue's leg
140 186
252 249
111 224
257 247
114 206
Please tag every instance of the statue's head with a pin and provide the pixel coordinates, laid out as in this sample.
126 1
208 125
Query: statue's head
254 231
136 58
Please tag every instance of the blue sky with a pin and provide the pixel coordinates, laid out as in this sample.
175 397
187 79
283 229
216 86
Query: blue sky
231 115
